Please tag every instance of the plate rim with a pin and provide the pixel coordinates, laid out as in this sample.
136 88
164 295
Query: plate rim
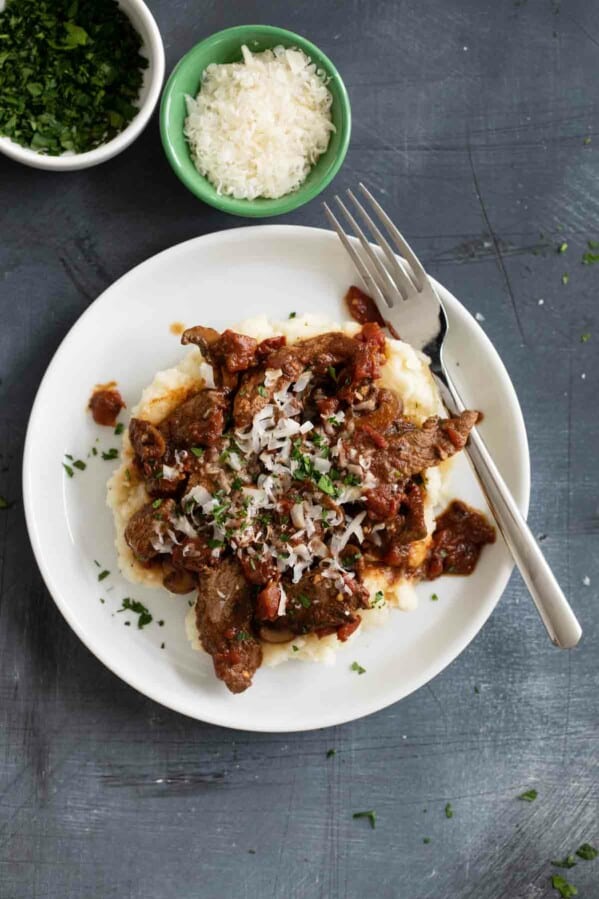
371 705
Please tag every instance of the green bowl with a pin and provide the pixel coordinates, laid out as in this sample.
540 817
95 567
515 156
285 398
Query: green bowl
225 47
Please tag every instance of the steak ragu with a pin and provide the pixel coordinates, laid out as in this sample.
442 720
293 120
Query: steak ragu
275 490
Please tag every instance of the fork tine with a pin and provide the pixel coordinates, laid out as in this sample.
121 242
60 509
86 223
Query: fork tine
406 251
403 280
377 270
369 283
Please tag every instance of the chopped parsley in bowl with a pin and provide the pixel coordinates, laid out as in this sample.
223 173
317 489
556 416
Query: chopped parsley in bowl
80 79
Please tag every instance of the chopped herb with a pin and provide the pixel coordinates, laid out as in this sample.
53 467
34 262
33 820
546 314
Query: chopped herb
157 503
162 645
68 456
126 623
236 484
371 815
562 247
568 862
161 622
434 597
103 574
332 372
242 635
68 469
379 598
528 796
331 753
215 544
198 451
262 390
97 563
352 480
333 421
448 810
294 647
4 503
593 244
325 484
102 600
584 338
127 474
292 314
426 840
94 451
71 73
477 689
317 439
132 605
119 428
565 278
587 852
111 454
355 666
305 600
590 258
586 141
565 889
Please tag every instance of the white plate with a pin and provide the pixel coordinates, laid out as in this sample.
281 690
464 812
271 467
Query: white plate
124 336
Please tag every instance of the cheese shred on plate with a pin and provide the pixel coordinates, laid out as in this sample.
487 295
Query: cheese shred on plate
258 126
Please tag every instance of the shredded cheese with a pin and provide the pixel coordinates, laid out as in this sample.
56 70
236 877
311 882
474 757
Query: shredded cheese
257 127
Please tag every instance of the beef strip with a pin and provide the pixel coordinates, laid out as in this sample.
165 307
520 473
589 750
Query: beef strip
402 529
316 603
412 448
199 421
224 621
318 353
459 537
229 353
252 397
145 528
147 441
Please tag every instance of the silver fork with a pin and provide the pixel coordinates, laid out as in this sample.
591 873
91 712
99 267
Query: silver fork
407 299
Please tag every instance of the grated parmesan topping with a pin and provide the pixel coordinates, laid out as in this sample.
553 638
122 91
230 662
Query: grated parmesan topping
258 126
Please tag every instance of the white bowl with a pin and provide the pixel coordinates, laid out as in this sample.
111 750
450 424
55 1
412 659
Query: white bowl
152 48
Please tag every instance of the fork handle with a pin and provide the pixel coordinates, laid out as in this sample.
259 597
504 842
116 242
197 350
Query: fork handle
553 607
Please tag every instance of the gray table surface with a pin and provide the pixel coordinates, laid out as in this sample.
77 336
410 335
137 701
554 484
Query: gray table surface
478 119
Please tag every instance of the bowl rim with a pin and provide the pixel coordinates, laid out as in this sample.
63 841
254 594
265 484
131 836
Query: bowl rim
200 186
154 47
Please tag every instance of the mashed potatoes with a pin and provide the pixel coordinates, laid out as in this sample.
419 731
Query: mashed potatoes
405 371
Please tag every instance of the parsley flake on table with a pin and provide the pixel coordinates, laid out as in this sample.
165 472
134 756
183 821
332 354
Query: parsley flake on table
434 597
528 796
79 464
562 247
331 753
68 469
590 258
426 840
568 862
371 815
119 428
355 666
587 852
584 338
448 810
132 605
71 73
565 278
103 574
110 454
565 889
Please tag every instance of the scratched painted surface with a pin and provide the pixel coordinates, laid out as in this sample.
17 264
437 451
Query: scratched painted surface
479 120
